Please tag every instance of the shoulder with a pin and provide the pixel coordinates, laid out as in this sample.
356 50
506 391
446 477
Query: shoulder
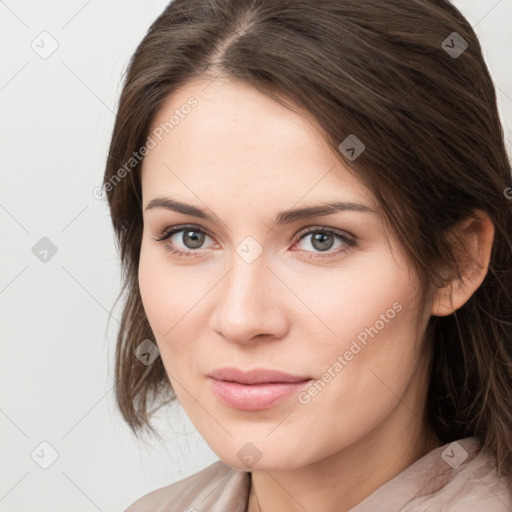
475 484
455 477
463 478
218 484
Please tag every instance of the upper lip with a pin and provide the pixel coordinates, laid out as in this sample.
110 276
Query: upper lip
255 376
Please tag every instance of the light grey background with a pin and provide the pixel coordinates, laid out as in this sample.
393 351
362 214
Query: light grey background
56 365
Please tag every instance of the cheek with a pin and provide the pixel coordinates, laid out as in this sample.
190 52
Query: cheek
151 288
172 298
161 291
374 295
370 313
373 355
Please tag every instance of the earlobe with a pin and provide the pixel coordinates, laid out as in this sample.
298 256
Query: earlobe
477 232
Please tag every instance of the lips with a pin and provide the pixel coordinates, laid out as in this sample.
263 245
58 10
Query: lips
256 376
254 390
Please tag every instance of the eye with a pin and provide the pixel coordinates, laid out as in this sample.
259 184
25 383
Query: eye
323 239
191 237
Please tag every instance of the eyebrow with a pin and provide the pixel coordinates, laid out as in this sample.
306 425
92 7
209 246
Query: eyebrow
284 217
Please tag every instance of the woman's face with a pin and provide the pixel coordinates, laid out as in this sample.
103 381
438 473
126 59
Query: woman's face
320 297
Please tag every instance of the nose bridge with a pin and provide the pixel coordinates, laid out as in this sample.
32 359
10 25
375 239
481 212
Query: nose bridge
245 287
247 305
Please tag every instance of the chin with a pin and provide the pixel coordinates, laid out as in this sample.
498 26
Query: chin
260 456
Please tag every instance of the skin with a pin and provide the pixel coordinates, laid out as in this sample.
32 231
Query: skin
244 157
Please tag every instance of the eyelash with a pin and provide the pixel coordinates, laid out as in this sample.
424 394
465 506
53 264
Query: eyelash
168 232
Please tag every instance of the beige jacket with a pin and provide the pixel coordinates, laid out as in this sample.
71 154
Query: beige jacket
456 477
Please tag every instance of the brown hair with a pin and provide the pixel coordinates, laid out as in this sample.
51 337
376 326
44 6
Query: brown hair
434 153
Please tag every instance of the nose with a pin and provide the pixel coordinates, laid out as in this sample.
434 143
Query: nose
250 303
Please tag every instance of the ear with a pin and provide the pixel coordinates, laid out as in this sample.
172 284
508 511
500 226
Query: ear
477 233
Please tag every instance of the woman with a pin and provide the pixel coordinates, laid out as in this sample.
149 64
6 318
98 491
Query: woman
310 199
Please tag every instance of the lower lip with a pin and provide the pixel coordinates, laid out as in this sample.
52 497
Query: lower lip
254 397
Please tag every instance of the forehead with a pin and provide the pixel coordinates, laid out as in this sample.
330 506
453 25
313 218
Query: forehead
236 138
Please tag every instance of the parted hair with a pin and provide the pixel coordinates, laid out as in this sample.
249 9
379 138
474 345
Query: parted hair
398 75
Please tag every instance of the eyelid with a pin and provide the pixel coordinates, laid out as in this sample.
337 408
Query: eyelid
170 230
328 229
